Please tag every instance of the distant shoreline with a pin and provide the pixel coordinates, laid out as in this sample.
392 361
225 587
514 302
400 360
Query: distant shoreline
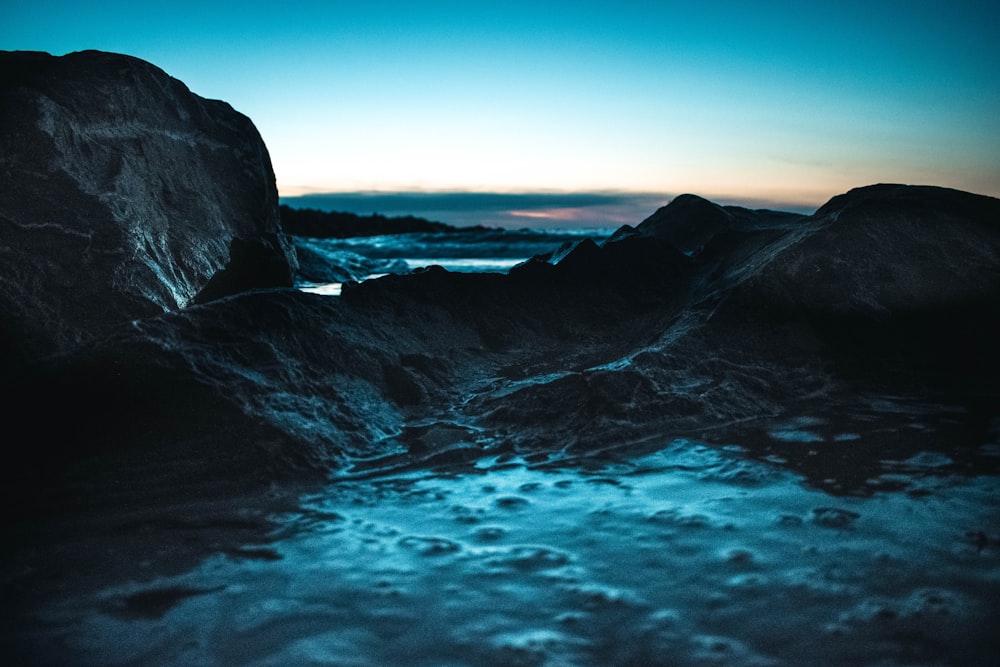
513 210
340 225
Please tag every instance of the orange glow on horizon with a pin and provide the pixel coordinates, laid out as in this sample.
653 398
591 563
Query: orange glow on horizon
565 214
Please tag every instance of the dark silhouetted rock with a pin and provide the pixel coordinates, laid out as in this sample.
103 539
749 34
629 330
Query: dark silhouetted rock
885 250
123 195
888 289
893 279
689 222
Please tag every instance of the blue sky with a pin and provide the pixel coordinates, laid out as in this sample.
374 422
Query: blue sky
768 103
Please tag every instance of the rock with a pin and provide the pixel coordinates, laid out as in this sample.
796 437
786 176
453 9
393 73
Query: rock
885 250
123 195
895 281
131 206
615 347
905 301
690 222
260 387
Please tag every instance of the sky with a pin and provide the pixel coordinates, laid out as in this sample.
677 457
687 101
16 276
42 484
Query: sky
597 110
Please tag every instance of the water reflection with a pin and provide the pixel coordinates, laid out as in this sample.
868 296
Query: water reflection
668 558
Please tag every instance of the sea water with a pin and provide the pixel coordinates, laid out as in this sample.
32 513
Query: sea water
465 251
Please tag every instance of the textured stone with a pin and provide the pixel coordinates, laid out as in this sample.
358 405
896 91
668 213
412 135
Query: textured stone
122 194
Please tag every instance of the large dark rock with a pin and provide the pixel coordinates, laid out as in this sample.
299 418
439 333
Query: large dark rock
122 195
885 250
897 282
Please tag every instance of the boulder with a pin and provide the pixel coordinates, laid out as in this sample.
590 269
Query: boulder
899 283
122 195
690 222
885 250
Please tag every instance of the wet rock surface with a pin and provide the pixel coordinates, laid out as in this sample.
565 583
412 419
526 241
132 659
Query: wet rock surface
666 559
123 195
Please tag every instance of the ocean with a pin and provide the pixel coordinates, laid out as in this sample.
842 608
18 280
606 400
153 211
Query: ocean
470 250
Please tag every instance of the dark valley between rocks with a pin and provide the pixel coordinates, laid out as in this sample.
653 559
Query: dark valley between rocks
722 436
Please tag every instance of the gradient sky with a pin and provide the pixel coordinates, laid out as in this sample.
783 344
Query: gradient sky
776 103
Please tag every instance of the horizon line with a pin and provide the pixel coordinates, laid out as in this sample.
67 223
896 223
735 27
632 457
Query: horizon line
521 204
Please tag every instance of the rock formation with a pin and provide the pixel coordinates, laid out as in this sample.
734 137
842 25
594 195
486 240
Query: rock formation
122 195
893 280
613 347
718 323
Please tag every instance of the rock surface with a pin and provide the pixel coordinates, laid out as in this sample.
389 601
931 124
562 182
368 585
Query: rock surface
893 280
690 222
122 195
612 348
717 323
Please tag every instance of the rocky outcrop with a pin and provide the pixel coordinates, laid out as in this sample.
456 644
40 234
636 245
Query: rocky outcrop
885 250
122 195
593 348
130 206
596 348
897 282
